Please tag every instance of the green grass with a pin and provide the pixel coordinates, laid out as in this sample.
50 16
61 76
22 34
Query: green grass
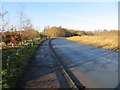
12 70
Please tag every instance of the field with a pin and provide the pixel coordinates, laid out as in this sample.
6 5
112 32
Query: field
106 42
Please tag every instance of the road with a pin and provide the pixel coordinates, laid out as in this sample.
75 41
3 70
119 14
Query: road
43 71
92 66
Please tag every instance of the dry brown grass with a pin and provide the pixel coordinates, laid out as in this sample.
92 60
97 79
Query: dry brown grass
105 42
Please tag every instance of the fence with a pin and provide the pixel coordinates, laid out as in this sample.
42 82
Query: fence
19 53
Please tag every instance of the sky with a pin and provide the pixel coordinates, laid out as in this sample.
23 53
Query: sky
88 16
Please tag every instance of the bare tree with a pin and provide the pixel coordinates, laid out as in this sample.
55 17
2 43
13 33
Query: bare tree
21 19
25 25
28 25
3 20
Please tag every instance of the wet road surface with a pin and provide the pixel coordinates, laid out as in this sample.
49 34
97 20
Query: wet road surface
92 66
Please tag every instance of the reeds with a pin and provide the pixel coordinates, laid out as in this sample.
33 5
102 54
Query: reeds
105 42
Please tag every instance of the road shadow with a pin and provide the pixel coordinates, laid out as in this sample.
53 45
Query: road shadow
43 72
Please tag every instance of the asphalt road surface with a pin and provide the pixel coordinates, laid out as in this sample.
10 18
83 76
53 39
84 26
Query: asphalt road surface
43 71
92 66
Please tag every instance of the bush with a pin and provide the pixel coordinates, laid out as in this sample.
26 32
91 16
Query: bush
7 40
57 32
18 36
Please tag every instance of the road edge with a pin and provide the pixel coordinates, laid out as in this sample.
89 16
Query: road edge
76 83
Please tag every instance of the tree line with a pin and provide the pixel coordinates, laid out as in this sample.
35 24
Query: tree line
63 32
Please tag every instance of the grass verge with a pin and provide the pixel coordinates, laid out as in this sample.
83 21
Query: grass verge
11 71
105 42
